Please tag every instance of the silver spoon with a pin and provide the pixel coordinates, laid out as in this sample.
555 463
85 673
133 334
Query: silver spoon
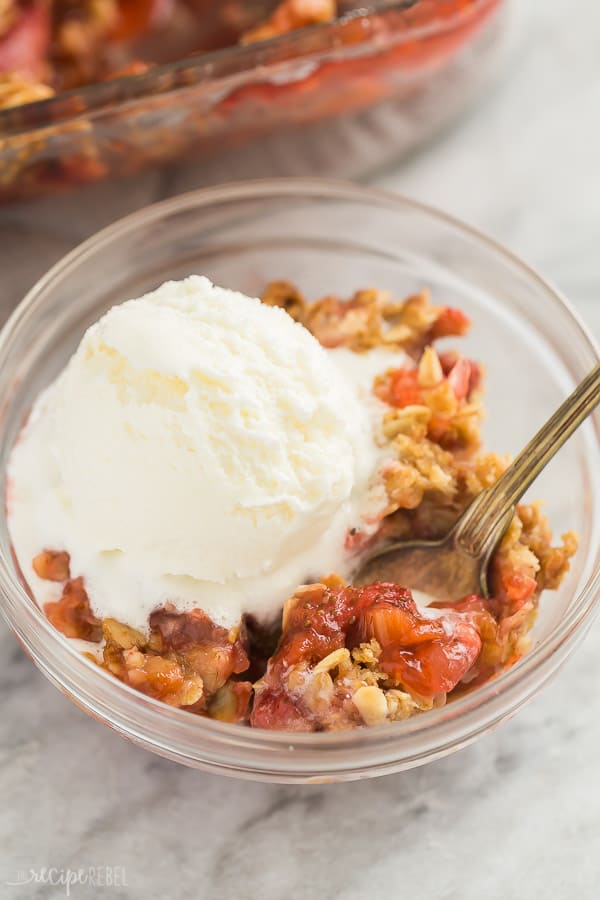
457 565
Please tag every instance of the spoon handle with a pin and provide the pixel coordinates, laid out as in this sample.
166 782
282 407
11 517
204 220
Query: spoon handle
489 511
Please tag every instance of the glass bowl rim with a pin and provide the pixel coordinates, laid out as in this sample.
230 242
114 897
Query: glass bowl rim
204 67
580 614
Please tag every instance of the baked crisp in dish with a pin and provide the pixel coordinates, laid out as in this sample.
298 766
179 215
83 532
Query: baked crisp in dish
48 45
329 655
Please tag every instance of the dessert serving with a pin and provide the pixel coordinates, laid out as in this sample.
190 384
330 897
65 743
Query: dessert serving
191 498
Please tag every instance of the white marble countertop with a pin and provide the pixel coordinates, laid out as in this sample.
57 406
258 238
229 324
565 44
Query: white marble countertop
515 815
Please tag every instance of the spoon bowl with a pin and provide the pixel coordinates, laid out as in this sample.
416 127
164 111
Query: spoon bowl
457 565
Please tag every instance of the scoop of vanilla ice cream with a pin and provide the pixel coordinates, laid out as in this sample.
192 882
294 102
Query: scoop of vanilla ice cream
200 447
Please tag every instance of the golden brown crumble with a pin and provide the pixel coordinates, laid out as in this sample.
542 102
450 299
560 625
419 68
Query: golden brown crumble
15 90
370 318
290 15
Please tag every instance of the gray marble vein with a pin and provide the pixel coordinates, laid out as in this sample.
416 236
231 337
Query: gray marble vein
516 815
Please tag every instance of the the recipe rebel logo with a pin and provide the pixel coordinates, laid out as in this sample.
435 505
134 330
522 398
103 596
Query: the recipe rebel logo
101 877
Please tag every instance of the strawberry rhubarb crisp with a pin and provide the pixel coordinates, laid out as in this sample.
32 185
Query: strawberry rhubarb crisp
191 497
53 45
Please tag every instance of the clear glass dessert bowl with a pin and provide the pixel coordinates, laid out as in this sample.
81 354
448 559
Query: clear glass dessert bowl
326 237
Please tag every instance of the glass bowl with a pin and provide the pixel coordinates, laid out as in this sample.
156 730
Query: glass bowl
328 237
427 60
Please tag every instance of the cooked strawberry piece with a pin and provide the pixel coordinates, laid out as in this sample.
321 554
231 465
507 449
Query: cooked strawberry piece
426 655
72 614
423 654
434 667
313 628
392 624
207 648
134 17
402 388
459 379
24 46
162 677
518 588
52 565
274 708
475 377
451 322
448 360
179 630
154 675
318 621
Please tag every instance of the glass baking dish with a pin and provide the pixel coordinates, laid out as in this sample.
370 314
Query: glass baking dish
427 57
